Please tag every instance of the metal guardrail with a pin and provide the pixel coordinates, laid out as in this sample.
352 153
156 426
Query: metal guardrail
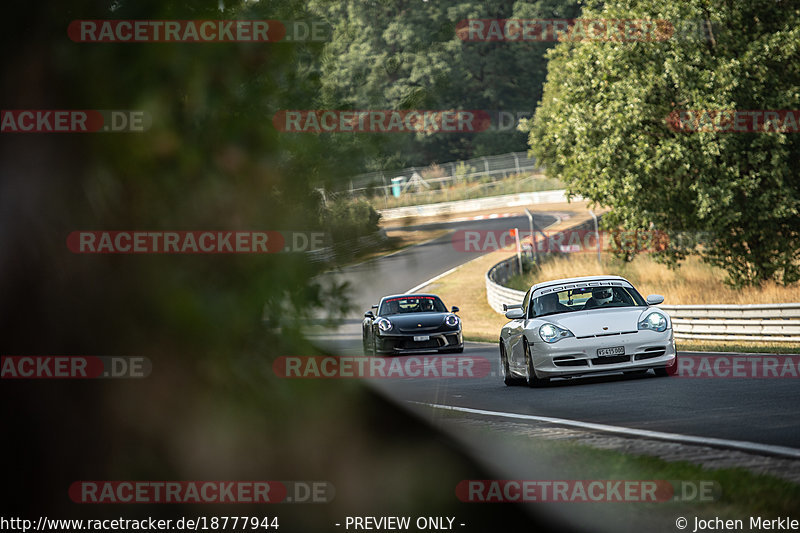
751 322
497 293
478 204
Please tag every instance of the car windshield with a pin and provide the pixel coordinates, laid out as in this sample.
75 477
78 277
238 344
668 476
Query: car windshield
412 304
584 299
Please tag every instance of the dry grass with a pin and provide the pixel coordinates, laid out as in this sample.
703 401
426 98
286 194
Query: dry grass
732 346
466 287
693 282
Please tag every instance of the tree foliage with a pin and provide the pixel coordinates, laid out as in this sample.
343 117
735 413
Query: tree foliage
405 54
601 128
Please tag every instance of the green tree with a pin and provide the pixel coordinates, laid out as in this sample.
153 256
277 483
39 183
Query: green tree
406 54
601 128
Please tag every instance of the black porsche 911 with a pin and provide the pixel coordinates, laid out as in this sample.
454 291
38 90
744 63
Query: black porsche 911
408 323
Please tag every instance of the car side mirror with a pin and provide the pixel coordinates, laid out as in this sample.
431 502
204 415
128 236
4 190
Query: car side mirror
369 314
515 314
654 299
455 309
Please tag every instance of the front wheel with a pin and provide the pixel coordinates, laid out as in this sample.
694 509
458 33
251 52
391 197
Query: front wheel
531 378
368 348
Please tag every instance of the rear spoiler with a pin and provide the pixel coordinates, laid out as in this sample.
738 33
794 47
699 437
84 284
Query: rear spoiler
506 307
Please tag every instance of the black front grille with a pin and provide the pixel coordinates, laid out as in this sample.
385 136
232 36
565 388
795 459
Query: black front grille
650 353
611 360
606 334
419 345
571 362
416 329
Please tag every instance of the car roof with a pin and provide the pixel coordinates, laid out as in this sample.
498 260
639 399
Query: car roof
578 280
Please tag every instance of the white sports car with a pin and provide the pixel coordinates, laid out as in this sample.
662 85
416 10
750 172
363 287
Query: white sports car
576 326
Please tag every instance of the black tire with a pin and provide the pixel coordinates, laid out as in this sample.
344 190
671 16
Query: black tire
367 348
531 378
508 379
668 370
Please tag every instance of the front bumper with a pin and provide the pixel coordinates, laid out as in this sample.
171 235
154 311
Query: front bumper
404 343
644 349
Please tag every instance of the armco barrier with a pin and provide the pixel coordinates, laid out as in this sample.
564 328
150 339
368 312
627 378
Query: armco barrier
752 322
497 293
477 204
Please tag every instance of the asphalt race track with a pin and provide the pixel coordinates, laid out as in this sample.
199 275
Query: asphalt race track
762 411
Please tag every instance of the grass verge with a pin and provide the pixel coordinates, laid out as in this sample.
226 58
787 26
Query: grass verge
743 493
511 184
693 282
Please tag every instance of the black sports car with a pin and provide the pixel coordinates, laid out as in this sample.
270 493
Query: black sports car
407 323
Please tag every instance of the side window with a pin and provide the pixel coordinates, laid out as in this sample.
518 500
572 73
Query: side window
526 302
564 297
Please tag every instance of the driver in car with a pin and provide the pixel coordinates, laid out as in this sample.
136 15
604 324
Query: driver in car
600 296
548 303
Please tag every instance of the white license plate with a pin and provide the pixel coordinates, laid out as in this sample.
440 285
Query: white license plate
420 338
605 352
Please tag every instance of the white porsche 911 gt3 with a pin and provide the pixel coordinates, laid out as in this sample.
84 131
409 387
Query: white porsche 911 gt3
571 327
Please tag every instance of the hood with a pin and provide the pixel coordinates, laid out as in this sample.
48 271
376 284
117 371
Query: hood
585 323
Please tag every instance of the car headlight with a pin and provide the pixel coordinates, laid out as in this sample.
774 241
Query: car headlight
551 333
384 325
451 320
654 321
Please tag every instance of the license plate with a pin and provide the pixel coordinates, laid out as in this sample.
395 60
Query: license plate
420 338
605 352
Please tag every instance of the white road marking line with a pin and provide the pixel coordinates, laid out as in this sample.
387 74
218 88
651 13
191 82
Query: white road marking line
443 274
435 278
485 217
769 449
